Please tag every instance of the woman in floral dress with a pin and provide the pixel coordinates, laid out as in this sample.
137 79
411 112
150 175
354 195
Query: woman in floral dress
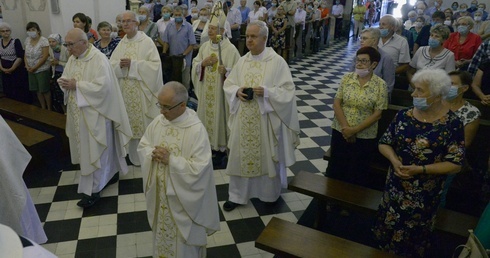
278 26
424 144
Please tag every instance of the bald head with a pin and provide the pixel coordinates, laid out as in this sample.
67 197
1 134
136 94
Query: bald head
76 41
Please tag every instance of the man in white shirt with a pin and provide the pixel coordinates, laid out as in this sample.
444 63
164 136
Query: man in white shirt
234 18
337 12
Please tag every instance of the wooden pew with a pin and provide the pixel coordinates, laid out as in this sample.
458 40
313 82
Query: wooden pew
29 137
367 200
287 239
40 119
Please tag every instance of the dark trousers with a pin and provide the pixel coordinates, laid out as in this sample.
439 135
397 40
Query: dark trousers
338 28
235 37
172 68
350 161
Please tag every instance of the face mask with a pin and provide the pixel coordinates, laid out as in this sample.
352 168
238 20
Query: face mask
113 35
194 15
436 4
463 29
56 48
175 4
462 9
477 18
434 43
447 22
421 103
384 32
413 19
473 5
453 92
142 17
203 18
420 11
310 8
362 72
418 24
454 8
32 34
179 19
166 16
273 4
480 9
338 2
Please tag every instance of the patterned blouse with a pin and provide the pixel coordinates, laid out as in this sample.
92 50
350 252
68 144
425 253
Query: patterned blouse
467 113
109 48
34 53
358 103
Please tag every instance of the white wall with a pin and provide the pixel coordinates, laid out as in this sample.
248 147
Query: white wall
18 17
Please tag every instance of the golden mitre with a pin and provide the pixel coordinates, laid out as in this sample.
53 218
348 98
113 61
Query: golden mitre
215 20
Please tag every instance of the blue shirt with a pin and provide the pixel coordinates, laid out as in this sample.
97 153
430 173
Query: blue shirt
244 13
179 40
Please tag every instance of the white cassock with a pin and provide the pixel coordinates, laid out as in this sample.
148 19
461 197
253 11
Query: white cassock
97 124
213 109
181 196
139 84
264 132
16 208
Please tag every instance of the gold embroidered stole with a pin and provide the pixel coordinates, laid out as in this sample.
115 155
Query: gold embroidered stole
166 229
72 106
212 84
249 116
131 92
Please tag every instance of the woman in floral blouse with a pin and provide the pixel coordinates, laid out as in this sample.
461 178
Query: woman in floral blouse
424 144
358 104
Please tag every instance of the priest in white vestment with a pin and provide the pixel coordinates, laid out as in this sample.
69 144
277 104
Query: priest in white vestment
16 208
264 127
138 68
208 77
178 179
97 124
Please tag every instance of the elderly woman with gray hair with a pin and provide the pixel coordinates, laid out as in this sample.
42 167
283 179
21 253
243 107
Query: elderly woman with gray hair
58 56
463 43
14 75
424 144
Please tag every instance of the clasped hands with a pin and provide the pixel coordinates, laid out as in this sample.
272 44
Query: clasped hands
258 91
125 63
486 100
67 84
406 171
160 154
210 61
349 134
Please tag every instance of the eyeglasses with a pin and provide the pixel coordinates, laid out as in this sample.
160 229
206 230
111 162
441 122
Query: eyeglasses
4 30
69 45
165 108
127 21
363 61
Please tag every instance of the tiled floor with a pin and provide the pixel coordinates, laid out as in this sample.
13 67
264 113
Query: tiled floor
117 226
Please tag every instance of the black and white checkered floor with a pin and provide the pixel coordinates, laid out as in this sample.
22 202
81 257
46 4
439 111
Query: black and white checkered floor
117 226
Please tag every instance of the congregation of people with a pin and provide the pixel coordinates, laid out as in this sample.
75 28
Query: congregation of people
125 89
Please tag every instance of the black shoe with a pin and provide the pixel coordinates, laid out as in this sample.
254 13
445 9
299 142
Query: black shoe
229 206
88 201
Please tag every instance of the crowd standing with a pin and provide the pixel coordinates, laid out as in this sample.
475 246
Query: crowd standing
121 97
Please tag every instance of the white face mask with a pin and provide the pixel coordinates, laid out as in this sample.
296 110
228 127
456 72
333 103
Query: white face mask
32 34
477 18
203 18
447 22
194 15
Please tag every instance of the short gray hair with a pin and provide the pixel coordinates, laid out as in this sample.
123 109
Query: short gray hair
263 29
468 19
375 33
181 94
438 81
441 30
391 20
412 13
130 12
144 8
178 9
5 25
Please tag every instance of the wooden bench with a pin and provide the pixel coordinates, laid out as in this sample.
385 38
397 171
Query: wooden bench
29 137
287 239
40 119
367 200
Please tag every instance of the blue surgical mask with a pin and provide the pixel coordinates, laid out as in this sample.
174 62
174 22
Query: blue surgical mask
420 103
166 16
455 8
434 42
384 32
463 29
179 19
433 23
453 93
413 19
473 5
142 17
